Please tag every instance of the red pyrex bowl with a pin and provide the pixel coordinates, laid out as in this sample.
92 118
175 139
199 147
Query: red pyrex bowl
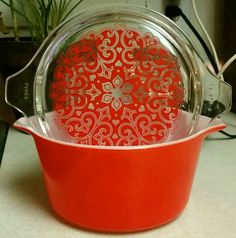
95 77
119 189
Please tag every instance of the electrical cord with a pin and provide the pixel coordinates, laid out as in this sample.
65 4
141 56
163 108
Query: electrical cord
173 12
228 135
226 65
206 34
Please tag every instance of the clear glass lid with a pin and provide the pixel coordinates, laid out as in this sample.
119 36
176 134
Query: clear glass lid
121 75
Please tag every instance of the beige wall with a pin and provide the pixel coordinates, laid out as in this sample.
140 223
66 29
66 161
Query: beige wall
210 11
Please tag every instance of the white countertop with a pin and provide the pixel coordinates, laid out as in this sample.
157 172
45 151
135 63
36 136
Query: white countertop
211 211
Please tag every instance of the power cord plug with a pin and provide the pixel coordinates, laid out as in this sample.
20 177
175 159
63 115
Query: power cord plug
173 12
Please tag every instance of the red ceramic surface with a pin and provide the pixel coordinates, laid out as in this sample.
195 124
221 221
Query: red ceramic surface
119 189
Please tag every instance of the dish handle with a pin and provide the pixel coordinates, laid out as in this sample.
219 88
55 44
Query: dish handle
19 90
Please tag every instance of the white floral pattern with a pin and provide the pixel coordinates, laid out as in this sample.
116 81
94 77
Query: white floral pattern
117 86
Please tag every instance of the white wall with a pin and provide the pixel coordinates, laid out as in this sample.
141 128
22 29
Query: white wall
210 11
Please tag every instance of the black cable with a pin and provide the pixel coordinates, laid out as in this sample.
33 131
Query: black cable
227 134
174 11
209 55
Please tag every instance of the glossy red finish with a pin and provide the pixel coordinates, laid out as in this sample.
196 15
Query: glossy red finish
119 190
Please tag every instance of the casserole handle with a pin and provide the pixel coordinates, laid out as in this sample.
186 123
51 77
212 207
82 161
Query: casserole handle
19 90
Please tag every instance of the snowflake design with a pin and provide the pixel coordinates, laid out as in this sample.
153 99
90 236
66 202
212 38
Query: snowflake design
117 93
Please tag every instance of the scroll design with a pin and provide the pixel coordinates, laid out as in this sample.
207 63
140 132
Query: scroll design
117 86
